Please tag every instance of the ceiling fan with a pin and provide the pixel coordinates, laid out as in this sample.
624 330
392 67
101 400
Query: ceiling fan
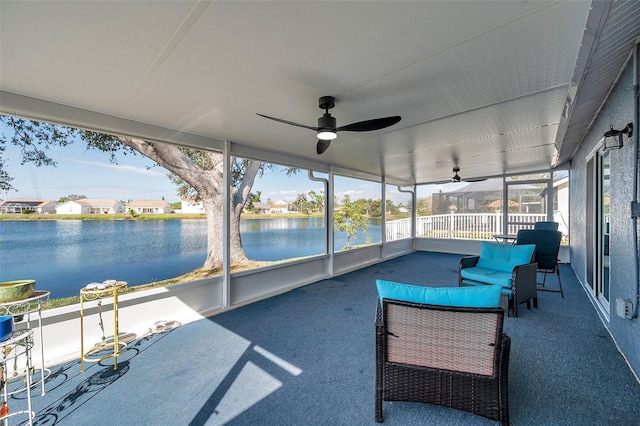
457 179
327 129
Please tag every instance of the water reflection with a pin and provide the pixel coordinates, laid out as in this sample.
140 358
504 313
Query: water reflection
64 256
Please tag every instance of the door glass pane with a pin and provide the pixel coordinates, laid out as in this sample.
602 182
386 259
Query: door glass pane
603 288
560 200
590 224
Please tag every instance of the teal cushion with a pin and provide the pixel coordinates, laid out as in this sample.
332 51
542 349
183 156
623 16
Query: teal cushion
487 276
469 297
504 257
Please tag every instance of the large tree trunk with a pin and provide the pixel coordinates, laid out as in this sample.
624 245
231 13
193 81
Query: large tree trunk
208 183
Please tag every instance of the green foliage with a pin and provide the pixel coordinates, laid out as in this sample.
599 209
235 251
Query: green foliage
302 203
424 206
373 207
5 179
350 218
71 197
317 201
253 198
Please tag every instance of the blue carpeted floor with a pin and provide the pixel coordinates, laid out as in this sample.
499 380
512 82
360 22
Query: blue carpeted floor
307 358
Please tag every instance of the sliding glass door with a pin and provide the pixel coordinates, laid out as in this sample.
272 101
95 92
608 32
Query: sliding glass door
598 225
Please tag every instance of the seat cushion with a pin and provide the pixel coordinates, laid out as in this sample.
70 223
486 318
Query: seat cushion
487 276
468 297
504 257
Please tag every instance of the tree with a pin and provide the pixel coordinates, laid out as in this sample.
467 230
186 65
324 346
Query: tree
350 218
253 198
301 203
317 200
392 209
71 197
374 207
424 206
198 173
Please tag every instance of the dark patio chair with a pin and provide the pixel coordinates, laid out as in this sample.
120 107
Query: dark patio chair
450 356
552 226
547 244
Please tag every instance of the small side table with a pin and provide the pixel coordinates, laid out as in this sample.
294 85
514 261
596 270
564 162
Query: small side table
17 347
20 308
114 347
505 238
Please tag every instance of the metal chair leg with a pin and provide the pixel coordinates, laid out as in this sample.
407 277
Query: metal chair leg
559 281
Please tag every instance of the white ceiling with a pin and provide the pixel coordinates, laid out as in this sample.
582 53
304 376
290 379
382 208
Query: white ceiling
481 85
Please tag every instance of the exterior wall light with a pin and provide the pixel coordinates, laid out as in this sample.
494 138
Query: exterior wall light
613 138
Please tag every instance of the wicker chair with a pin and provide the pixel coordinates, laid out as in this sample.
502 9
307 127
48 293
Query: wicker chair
521 279
449 356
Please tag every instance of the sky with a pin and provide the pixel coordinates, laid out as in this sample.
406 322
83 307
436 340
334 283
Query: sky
90 173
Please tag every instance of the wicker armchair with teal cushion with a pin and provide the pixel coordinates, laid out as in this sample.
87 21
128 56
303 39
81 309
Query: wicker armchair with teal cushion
442 346
509 266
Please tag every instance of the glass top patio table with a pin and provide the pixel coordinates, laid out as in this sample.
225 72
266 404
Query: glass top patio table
505 238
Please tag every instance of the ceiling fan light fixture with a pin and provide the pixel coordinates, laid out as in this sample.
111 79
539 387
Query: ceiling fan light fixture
327 127
456 176
327 135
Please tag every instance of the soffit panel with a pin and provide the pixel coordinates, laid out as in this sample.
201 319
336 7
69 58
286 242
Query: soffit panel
89 55
457 72
465 138
277 58
490 157
615 35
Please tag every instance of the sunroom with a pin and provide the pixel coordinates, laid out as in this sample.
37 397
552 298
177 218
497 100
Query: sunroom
518 93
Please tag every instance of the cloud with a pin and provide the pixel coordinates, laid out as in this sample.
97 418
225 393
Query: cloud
120 167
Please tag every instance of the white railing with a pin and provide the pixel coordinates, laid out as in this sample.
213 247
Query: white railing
471 226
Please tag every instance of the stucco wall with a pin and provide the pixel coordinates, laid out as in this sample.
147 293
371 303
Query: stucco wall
618 111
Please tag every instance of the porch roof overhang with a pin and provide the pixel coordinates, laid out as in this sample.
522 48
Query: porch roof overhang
495 88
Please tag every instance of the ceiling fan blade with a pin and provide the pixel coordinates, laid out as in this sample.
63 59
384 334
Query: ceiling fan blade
288 122
368 125
322 146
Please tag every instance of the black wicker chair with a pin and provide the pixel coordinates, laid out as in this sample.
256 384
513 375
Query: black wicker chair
448 356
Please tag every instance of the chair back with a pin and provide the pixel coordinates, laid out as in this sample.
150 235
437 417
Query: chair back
547 245
441 337
553 226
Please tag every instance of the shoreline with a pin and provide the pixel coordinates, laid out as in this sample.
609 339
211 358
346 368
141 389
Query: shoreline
128 216
16 217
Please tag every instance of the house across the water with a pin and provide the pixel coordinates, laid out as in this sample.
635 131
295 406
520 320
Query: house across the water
149 206
91 206
22 205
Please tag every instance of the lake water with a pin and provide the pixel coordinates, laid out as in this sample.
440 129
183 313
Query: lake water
65 255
